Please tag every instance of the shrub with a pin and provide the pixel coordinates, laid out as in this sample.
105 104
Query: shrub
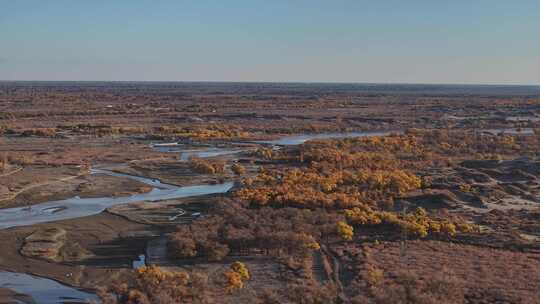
410 289
238 169
203 166
345 231
236 275
214 250
241 269
181 247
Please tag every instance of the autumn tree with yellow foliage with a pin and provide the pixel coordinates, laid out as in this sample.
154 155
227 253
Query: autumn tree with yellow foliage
345 231
236 276
154 284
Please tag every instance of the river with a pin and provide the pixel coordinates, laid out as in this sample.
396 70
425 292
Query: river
78 207
43 290
300 139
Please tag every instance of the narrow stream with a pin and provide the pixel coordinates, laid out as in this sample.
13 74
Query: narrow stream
78 207
300 139
46 291
508 131
212 152
185 154
42 290
523 118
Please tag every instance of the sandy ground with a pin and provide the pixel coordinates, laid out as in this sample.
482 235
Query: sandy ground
170 171
8 296
76 150
30 177
114 241
38 189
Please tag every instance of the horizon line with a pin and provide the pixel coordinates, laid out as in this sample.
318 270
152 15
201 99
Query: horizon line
285 82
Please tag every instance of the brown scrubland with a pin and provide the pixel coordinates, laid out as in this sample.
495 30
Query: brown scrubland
444 207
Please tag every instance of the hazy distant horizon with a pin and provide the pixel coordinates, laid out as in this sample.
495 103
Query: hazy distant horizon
306 88
280 82
494 84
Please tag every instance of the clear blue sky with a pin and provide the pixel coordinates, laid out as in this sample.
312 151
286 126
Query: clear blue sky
411 41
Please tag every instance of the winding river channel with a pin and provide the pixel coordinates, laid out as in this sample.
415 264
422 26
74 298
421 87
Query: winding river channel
300 139
78 207
186 154
43 290
202 153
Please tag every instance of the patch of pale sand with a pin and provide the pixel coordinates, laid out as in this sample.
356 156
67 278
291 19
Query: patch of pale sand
504 204
530 237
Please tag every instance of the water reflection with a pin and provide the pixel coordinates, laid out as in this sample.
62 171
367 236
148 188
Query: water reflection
42 290
78 207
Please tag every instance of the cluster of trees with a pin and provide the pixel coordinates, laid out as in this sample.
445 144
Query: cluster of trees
336 190
345 230
29 132
236 276
271 154
291 235
203 166
264 153
473 144
238 169
100 130
39 132
393 143
312 188
215 131
236 230
97 130
339 173
415 147
343 173
416 223
358 175
324 157
198 239
156 285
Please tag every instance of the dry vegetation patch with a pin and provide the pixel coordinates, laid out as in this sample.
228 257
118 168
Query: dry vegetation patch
474 273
